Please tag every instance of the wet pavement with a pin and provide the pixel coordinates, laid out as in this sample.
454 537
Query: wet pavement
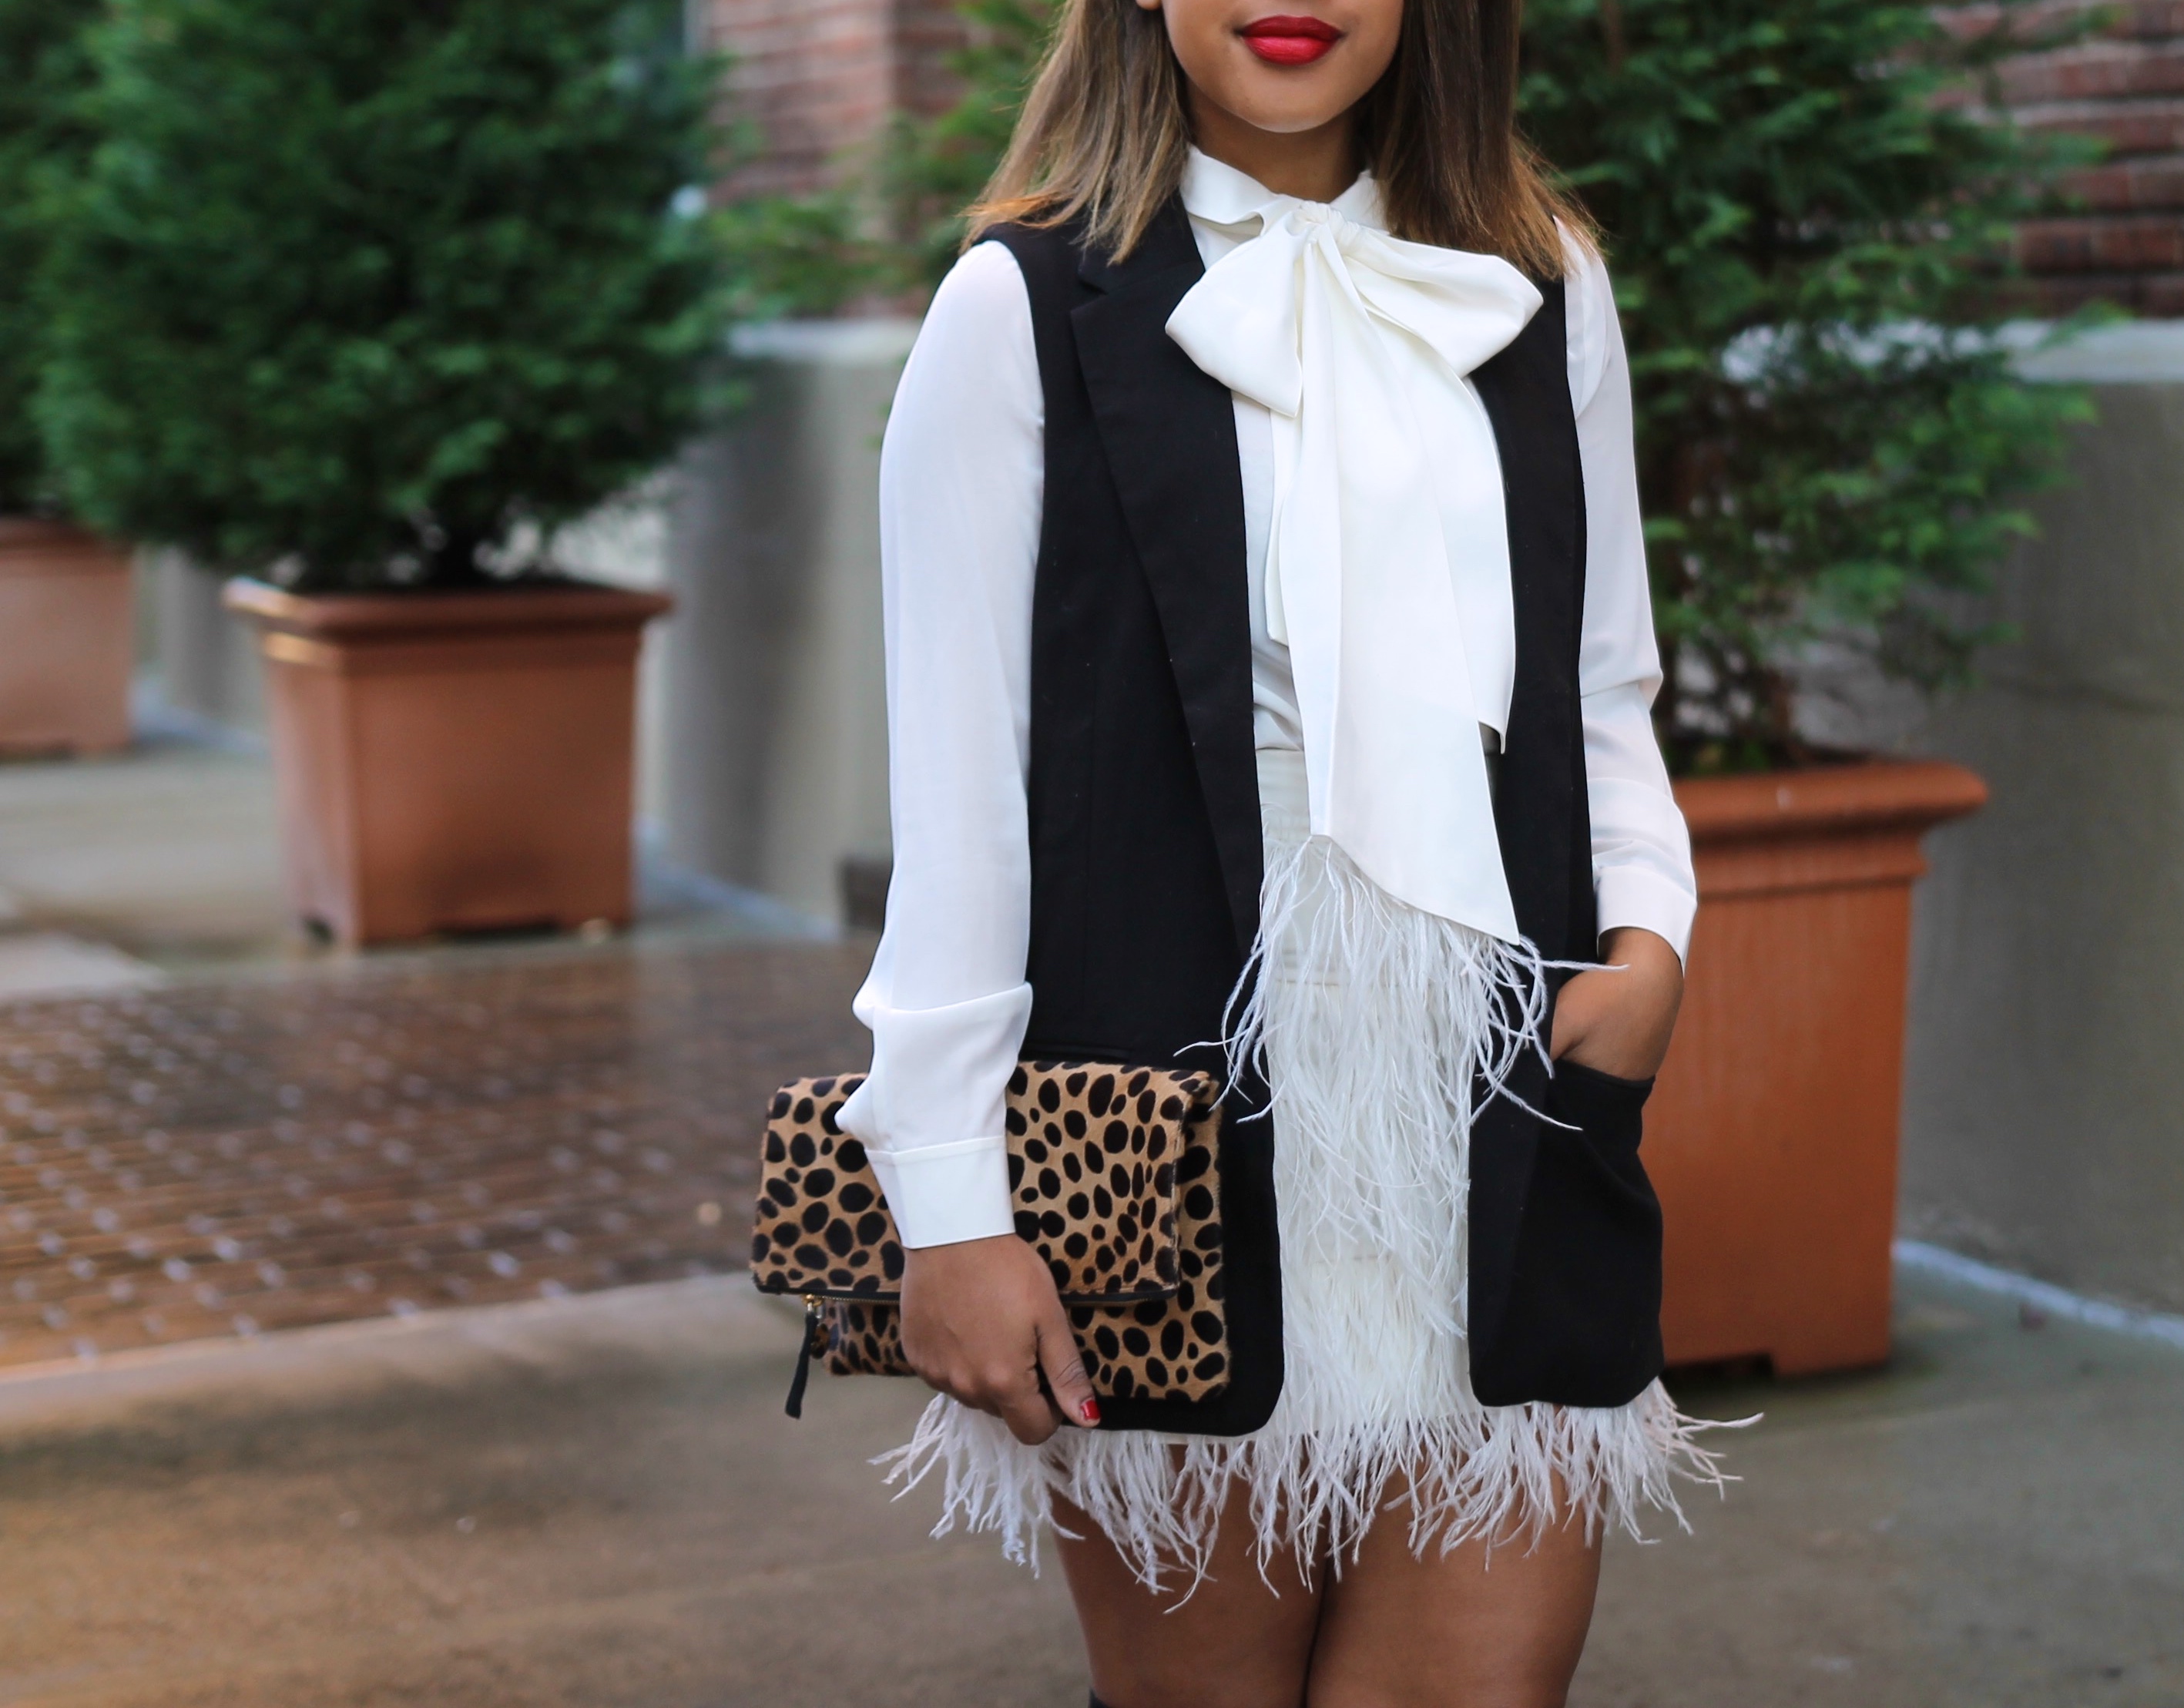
233 1157
595 1502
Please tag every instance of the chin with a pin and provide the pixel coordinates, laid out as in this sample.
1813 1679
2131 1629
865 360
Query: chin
1283 102
1289 125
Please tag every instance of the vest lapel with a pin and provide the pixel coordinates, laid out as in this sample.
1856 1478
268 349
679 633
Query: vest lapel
1541 801
1169 433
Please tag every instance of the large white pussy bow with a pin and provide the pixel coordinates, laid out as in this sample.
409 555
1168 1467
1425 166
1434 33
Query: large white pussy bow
1328 323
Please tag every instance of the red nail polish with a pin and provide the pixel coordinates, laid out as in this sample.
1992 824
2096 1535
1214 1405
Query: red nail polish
1089 1411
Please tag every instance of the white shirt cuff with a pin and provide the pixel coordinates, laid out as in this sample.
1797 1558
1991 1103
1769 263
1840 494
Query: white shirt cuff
1632 896
944 1194
938 1074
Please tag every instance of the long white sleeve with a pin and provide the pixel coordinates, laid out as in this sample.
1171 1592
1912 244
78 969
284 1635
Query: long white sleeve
1642 851
963 470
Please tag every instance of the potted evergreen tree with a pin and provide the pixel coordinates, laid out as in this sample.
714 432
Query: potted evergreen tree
66 626
367 298
1806 214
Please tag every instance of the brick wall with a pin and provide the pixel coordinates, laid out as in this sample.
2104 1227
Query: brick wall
2125 241
819 77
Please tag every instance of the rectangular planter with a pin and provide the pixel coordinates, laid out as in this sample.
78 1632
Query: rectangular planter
1771 1136
67 639
453 760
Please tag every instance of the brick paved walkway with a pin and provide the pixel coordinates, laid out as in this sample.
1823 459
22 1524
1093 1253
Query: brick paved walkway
229 1158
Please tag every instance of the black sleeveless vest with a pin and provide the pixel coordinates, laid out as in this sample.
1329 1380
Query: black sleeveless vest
1145 852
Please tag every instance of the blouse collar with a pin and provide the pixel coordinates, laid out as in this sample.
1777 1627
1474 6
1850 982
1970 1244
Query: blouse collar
1219 193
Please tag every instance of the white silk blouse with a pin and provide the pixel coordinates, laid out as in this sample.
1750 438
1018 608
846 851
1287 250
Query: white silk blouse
1386 582
961 486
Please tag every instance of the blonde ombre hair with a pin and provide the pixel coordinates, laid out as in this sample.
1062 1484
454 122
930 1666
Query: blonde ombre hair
1106 129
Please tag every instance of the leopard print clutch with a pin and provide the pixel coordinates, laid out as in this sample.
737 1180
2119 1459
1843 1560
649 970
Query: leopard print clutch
1116 1177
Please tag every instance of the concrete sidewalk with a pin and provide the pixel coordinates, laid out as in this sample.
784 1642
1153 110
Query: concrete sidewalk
596 1501
165 858
127 869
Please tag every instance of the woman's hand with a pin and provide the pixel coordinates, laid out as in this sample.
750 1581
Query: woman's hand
1617 1020
981 1320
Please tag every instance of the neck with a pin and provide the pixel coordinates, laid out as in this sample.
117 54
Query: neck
1315 165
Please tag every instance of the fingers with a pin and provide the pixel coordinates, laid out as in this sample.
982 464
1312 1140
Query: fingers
1030 1415
1064 1364
1007 1389
982 1322
1013 1392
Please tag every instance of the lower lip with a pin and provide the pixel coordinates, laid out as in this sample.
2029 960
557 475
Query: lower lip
1278 49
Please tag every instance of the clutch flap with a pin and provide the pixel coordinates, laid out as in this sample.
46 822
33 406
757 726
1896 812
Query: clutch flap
1098 1157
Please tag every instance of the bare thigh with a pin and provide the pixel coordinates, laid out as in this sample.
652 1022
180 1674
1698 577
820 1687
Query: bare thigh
1456 1630
1239 1642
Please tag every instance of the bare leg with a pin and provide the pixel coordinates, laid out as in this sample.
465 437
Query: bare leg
1236 1643
1455 1630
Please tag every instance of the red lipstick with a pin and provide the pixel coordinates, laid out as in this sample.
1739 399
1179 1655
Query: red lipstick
1290 40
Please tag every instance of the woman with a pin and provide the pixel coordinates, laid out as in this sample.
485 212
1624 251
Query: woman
1269 666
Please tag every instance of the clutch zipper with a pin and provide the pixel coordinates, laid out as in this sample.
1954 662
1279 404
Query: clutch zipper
815 1333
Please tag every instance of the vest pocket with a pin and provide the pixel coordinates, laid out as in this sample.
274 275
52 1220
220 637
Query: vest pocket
1639 1089
1607 1102
1609 1113
1590 1255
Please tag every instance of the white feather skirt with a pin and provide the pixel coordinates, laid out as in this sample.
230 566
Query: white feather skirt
1378 1028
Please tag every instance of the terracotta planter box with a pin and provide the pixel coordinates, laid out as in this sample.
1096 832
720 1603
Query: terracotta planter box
68 639
453 762
1772 1135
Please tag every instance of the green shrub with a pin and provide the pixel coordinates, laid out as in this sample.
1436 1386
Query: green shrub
786 256
363 287
937 167
1806 222
892 227
43 72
